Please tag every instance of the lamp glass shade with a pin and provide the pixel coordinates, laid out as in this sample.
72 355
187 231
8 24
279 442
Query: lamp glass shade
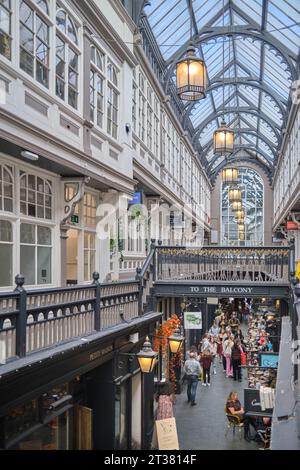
223 140
147 358
191 77
241 227
236 206
242 236
235 195
240 214
230 175
175 342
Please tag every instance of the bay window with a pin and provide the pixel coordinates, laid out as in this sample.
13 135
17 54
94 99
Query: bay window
112 100
6 253
67 59
6 188
97 82
34 43
5 28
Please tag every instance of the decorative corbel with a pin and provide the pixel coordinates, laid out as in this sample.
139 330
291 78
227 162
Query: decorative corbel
70 206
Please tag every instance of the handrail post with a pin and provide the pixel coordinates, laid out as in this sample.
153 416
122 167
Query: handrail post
292 263
153 248
97 285
141 290
22 316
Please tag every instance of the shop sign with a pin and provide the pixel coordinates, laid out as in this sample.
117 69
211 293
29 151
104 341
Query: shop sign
193 320
97 354
222 290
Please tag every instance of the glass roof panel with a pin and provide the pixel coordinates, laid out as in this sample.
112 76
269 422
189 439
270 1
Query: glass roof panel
205 10
251 7
207 134
201 111
281 14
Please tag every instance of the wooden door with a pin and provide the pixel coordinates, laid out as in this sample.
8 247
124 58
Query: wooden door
83 428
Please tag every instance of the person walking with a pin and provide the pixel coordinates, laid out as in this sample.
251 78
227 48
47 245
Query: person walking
214 329
236 361
213 350
206 361
220 345
192 372
227 350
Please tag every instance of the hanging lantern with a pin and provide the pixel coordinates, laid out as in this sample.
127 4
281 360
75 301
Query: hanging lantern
241 227
230 175
147 358
235 195
191 77
242 236
223 140
237 206
240 214
240 221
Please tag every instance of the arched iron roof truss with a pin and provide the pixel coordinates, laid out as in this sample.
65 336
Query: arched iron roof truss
261 62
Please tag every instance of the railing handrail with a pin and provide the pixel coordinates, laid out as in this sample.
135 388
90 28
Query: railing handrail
148 261
218 247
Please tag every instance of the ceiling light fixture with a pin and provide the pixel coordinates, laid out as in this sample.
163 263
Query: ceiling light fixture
30 155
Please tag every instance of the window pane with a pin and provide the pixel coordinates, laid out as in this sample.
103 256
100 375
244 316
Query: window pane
28 234
44 235
44 265
6 260
27 263
26 15
5 232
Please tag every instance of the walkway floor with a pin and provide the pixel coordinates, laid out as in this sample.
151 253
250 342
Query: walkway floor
203 427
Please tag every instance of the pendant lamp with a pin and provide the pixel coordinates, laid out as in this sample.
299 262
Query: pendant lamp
236 206
191 72
230 175
235 194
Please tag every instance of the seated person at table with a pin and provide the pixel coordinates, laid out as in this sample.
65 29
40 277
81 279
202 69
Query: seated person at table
234 407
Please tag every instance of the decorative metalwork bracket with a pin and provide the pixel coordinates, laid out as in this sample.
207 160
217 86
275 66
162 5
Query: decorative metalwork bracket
74 189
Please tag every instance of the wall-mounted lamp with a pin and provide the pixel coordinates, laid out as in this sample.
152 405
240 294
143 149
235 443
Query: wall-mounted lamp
175 342
147 357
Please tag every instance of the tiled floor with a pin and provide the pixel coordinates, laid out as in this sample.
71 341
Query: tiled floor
203 427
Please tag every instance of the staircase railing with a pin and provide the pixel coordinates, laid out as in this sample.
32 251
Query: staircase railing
146 277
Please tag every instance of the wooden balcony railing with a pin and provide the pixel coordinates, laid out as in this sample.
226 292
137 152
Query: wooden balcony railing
38 319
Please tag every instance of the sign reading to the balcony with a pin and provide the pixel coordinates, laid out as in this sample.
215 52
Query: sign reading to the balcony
221 290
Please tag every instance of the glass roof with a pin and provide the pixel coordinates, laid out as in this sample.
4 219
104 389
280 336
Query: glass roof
254 76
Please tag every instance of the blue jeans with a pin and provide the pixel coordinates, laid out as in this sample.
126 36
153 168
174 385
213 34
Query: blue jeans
192 388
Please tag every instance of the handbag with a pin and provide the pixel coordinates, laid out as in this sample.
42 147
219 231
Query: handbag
243 358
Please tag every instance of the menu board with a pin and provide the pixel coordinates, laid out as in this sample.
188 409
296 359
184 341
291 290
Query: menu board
167 434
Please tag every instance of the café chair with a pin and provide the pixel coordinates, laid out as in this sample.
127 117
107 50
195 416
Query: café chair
233 423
